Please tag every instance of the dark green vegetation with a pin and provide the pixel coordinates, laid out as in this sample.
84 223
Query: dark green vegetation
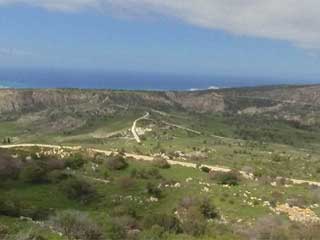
272 134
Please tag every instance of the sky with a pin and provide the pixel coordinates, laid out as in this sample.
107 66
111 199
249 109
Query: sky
266 38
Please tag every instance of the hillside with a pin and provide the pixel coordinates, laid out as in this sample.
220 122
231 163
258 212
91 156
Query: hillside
223 164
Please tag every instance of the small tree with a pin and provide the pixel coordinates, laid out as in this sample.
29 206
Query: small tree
226 178
153 190
78 189
33 173
116 162
161 163
76 161
76 225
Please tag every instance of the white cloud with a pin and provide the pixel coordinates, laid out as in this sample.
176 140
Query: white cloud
296 21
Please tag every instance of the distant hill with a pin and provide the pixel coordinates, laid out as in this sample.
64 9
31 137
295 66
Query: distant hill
293 103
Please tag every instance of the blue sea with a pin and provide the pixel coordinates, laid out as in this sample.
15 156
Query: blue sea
35 78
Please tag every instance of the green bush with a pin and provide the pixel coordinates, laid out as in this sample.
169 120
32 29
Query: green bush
168 222
146 174
154 190
76 225
16 208
10 207
78 189
193 222
116 162
57 176
126 182
205 169
4 231
156 232
29 235
161 163
9 167
121 227
226 178
33 173
76 161
207 209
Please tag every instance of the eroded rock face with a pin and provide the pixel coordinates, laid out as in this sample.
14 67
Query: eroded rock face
209 101
35 100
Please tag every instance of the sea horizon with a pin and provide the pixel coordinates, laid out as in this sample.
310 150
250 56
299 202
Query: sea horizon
40 79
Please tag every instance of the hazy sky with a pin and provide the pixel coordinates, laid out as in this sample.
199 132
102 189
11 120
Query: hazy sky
278 38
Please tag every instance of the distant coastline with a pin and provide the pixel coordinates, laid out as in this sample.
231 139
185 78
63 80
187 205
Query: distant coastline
128 80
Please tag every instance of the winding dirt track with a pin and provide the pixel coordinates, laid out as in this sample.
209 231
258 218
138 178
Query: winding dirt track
149 158
133 128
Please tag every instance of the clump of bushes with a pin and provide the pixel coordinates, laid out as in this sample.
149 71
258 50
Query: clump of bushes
16 208
76 225
116 162
126 182
124 227
9 167
34 172
78 189
205 169
57 176
153 190
4 231
167 222
152 173
161 163
29 235
194 214
226 178
76 161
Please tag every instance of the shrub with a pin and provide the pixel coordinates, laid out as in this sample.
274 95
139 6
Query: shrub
78 189
205 169
193 222
153 190
76 225
122 226
9 168
204 205
226 178
126 182
4 231
106 174
161 163
52 164
16 208
125 210
207 209
29 235
168 222
269 227
33 173
9 208
146 174
116 162
76 161
156 232
57 176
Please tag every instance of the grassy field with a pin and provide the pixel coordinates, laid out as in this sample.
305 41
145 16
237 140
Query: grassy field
125 195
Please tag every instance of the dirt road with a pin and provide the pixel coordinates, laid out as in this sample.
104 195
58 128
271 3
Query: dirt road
150 158
133 128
